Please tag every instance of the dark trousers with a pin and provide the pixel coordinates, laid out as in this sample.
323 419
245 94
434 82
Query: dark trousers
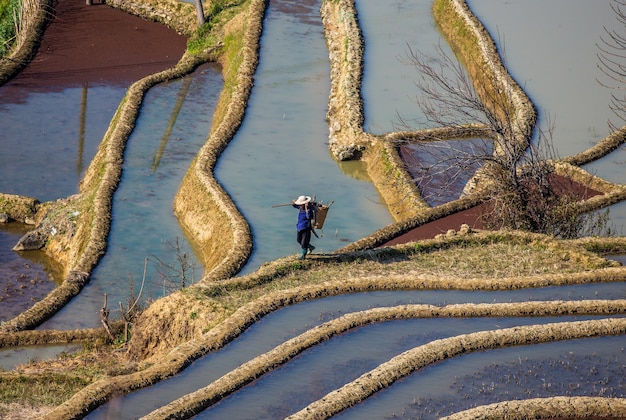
304 237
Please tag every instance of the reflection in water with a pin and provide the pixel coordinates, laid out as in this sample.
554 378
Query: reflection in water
355 169
184 88
281 149
25 277
288 322
144 224
81 130
441 169
45 160
55 111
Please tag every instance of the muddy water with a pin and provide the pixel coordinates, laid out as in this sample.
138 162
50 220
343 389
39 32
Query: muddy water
551 50
544 49
173 124
440 182
25 277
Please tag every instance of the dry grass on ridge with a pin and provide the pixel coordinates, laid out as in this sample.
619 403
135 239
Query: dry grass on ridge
478 256
485 256
475 261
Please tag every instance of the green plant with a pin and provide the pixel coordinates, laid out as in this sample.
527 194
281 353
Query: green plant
9 10
201 39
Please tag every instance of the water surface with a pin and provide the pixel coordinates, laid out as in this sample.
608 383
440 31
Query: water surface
173 124
331 364
281 150
25 276
391 28
47 158
286 323
550 48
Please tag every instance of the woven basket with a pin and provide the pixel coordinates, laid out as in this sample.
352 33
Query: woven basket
319 216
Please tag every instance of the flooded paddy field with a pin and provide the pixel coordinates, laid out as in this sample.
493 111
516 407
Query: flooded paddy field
272 160
174 122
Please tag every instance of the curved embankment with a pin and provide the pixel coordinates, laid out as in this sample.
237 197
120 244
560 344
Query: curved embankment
204 209
227 330
199 180
468 38
347 140
201 399
35 17
555 407
408 362
163 365
224 331
201 204
90 210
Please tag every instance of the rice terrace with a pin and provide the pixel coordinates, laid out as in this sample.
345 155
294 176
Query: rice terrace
494 286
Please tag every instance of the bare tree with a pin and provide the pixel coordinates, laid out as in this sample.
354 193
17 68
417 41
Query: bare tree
612 62
175 275
517 174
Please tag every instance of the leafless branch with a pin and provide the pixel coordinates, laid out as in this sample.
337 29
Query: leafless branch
521 179
612 63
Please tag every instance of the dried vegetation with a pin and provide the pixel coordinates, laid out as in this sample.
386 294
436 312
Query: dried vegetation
182 327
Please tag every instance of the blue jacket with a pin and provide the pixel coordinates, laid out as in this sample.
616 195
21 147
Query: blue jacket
304 217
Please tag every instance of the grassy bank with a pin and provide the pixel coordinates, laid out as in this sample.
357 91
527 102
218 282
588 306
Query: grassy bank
220 311
188 324
202 206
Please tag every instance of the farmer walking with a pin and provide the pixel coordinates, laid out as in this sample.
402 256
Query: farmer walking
305 215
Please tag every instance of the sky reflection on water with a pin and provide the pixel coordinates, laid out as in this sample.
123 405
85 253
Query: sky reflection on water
144 224
280 152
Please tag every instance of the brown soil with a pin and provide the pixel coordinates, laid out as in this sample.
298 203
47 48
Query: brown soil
438 226
86 44
96 45
472 216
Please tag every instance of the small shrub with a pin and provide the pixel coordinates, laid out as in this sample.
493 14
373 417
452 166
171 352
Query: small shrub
8 11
